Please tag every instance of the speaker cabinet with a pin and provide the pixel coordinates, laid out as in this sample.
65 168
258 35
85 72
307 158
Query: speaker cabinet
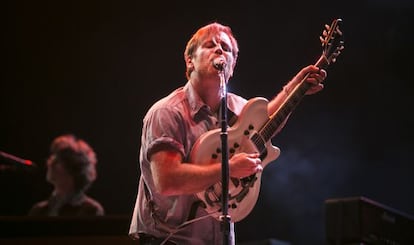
359 220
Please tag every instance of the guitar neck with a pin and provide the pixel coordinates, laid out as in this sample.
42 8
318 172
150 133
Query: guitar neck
297 94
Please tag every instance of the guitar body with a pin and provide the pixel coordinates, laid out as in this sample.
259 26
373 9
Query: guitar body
243 193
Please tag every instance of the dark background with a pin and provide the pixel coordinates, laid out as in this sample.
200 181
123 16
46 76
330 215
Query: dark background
93 68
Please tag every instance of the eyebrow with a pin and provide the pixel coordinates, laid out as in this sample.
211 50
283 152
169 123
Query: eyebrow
223 43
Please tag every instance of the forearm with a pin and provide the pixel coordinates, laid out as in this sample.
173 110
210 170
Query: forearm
280 98
311 74
192 178
173 177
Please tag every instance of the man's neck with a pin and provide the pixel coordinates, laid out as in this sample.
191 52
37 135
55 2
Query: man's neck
210 94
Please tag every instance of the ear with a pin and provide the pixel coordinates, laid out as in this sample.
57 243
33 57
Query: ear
189 62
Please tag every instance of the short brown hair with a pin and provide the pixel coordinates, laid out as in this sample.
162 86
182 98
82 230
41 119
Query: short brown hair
77 157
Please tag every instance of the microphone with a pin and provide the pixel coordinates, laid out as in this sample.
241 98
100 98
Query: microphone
14 159
219 64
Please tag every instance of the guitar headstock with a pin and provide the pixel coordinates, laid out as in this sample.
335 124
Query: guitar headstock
332 41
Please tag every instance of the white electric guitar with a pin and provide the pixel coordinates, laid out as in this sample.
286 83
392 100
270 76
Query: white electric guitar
251 133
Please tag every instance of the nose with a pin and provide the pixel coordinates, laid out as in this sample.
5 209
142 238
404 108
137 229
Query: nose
219 49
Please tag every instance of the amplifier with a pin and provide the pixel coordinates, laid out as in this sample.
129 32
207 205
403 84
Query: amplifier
359 220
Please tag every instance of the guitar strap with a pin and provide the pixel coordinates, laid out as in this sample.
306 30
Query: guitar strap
193 209
233 119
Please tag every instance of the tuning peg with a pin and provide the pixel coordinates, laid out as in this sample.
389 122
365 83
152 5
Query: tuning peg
322 40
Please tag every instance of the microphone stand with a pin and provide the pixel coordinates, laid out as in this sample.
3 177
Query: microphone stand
227 225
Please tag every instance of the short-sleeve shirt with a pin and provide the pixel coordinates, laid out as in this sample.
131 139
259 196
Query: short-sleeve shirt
175 123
